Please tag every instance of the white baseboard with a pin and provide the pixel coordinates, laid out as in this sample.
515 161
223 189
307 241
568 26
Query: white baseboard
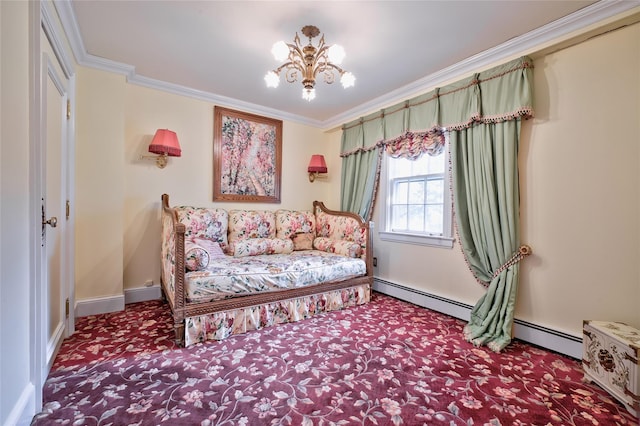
99 305
54 344
25 408
103 305
142 294
541 336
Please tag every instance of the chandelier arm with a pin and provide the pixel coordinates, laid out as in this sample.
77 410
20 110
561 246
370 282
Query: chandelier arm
320 60
321 44
334 66
295 47
327 69
287 65
325 65
291 75
322 53
295 63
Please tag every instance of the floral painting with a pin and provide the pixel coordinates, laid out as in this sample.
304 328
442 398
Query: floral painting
247 151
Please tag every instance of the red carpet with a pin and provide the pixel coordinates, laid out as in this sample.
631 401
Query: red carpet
384 363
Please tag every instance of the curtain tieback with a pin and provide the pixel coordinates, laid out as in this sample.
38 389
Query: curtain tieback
519 254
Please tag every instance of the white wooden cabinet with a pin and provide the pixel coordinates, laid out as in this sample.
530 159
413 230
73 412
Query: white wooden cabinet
610 358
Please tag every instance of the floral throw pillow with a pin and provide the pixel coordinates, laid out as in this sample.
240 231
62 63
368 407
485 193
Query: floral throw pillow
343 248
212 247
290 222
302 241
245 224
209 223
258 246
196 257
199 252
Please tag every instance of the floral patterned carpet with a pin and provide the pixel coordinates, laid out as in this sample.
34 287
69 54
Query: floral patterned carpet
384 363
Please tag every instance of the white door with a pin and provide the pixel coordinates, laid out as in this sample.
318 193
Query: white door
55 238
52 174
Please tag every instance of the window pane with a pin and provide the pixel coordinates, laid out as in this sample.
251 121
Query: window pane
435 191
416 192
400 192
399 217
392 165
417 196
416 215
421 165
434 219
401 167
436 164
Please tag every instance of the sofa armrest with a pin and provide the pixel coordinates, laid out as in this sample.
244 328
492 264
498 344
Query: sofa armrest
345 226
173 257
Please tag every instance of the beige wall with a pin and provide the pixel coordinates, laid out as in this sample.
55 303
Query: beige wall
581 185
580 196
15 206
99 184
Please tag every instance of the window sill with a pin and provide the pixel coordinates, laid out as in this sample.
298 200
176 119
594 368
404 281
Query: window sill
422 240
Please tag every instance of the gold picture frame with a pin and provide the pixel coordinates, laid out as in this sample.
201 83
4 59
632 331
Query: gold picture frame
247 157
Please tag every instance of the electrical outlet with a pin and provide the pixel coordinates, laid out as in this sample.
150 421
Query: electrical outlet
148 283
375 262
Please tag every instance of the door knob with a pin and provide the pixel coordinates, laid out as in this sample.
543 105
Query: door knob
53 222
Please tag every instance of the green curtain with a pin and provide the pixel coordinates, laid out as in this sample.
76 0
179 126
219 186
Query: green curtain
360 168
484 161
482 114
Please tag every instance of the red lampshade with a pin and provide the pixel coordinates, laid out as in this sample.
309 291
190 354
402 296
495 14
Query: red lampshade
317 164
165 142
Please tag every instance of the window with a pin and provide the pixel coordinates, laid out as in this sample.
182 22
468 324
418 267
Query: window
418 201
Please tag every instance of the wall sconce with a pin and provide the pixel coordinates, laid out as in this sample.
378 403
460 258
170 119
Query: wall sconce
316 165
165 143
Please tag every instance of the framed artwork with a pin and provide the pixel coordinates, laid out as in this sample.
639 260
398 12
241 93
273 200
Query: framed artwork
247 157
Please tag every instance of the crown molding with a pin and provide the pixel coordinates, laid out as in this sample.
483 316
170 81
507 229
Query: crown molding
70 25
54 36
220 100
518 46
522 45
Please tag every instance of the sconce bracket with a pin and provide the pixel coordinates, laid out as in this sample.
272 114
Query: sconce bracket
316 175
161 160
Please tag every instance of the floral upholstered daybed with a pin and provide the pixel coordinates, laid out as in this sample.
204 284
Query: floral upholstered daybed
229 272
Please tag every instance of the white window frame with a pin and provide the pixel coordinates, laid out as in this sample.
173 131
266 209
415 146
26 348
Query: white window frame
386 234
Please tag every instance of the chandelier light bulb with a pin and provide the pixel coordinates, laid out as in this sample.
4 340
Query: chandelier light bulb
308 94
272 79
347 80
336 54
280 51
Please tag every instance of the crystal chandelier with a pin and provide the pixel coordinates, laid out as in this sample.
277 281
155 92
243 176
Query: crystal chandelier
309 61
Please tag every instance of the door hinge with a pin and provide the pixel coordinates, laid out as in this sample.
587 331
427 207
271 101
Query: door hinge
68 109
68 209
66 308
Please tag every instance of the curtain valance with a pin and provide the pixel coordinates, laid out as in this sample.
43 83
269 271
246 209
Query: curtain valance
499 94
413 145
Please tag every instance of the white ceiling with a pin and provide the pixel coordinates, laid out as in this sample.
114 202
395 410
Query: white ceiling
220 50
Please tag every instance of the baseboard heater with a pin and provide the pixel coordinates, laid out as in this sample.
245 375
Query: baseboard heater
531 333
